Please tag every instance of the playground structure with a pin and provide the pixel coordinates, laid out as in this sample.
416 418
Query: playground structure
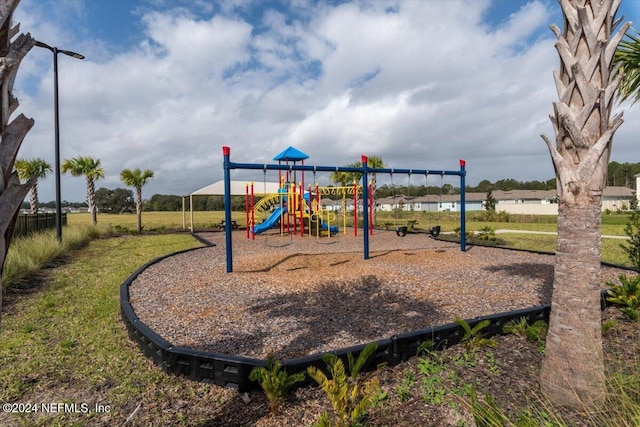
292 207
296 210
291 169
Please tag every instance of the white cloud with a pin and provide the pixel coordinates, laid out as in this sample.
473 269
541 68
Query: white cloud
419 83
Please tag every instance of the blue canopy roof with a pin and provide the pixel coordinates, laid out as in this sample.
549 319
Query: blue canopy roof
292 154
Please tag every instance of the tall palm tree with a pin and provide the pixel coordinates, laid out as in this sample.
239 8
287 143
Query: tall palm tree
628 56
137 178
92 170
344 178
375 162
12 132
36 169
573 368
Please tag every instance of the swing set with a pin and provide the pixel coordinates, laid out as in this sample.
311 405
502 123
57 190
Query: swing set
404 229
363 170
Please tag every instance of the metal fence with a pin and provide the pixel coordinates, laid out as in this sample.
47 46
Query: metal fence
29 223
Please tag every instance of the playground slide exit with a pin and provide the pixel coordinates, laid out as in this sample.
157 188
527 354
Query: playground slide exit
271 221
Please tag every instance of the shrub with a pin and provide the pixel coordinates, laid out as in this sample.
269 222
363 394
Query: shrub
29 254
349 397
535 333
473 338
486 234
632 246
626 296
275 382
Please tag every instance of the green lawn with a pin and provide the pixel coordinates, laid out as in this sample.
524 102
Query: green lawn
158 221
611 225
66 343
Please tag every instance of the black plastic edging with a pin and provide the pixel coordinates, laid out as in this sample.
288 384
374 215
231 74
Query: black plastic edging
202 240
233 371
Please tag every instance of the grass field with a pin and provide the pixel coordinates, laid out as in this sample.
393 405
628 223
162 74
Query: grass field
158 221
66 343
612 225
62 340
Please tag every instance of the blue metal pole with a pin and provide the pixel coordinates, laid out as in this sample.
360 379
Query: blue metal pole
463 221
364 169
226 152
365 204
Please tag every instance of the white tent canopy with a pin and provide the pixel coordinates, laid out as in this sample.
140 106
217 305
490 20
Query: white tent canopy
238 188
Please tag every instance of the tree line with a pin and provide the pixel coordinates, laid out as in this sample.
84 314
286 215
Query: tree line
121 200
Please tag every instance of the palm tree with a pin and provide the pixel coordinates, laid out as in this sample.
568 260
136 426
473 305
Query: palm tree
573 368
12 132
628 56
91 169
137 179
375 162
36 169
344 178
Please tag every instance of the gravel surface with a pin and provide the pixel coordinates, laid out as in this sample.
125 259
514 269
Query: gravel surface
292 297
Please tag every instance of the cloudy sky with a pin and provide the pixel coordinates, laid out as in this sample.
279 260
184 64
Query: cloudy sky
166 83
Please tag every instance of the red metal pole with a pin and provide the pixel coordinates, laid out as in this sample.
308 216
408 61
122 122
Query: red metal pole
317 231
246 207
370 210
253 215
301 210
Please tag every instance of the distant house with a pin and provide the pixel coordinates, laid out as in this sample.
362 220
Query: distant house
432 203
617 198
533 202
544 202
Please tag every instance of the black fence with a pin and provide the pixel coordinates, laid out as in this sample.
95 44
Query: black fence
233 371
30 223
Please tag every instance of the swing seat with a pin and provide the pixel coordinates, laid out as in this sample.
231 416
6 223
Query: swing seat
402 231
434 231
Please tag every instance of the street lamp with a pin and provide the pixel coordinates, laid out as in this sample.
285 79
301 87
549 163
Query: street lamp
55 51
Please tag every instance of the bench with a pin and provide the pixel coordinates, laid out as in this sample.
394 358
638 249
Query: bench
221 226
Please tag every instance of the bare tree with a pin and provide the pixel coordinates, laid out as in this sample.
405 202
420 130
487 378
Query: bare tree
573 367
12 193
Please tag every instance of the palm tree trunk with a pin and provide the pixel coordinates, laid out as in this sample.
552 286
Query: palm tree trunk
573 368
91 201
139 208
33 199
12 133
374 190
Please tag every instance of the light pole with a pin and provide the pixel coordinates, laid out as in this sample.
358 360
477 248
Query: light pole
56 113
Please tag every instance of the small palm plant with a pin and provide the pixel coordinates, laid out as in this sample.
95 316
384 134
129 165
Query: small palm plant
275 382
349 398
626 295
632 245
535 333
473 338
486 233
